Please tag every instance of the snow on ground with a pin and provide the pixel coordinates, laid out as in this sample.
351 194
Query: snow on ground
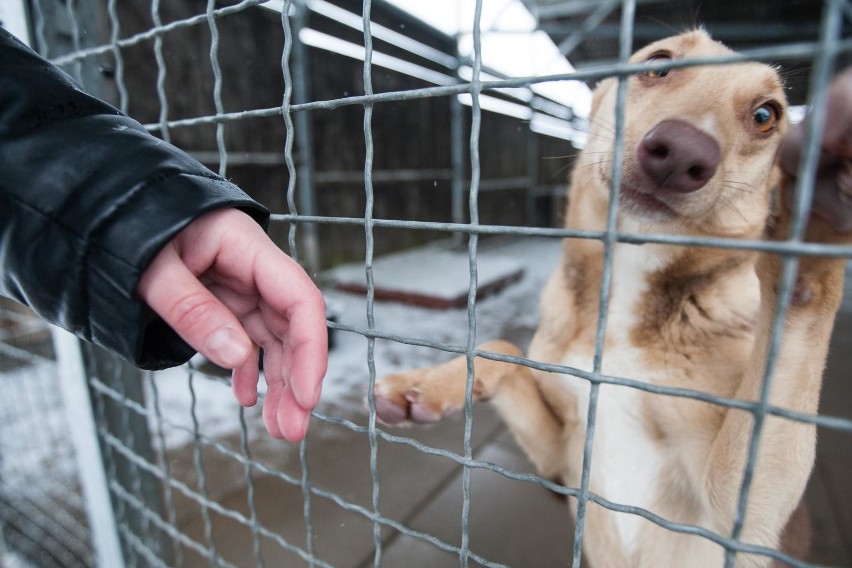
433 271
34 436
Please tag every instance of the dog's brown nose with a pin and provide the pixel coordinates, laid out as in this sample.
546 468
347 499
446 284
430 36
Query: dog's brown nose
678 157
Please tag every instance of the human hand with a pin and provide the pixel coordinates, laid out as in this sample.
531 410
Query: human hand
226 289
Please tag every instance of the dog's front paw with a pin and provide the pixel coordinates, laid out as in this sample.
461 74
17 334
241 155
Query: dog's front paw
427 395
421 396
832 200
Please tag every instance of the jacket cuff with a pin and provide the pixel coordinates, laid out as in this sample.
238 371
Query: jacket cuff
118 257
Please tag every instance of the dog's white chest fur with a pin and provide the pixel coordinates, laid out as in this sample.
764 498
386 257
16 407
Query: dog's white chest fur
626 463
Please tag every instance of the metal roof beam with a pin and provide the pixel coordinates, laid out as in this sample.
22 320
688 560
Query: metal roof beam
766 31
571 8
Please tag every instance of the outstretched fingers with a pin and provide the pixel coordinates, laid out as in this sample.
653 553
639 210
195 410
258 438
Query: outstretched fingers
293 304
227 289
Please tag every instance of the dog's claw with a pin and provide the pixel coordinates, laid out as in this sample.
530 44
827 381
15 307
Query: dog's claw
399 401
389 411
410 408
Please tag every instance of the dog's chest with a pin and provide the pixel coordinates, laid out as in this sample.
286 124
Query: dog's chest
626 461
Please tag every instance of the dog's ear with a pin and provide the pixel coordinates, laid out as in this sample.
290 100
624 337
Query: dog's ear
600 92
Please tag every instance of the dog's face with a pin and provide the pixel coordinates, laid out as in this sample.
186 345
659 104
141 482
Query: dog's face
699 142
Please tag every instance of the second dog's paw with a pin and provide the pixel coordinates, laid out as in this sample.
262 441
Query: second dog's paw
832 200
833 197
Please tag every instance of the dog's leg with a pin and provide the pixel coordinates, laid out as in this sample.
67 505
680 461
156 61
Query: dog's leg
427 395
787 447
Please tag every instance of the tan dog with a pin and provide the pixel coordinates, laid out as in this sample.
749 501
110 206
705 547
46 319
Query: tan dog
701 148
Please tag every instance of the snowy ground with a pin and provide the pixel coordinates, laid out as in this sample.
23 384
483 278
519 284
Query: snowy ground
39 489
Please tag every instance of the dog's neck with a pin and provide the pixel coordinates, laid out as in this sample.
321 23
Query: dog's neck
684 280
662 264
675 309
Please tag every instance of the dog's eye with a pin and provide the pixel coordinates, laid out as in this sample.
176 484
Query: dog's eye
658 58
765 117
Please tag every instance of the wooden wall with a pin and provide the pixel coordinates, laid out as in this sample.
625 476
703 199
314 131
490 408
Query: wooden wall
409 135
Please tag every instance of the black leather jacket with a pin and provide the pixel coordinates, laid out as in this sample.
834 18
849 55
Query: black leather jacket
87 199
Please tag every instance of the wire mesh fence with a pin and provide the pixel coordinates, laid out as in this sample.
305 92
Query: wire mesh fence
192 479
40 513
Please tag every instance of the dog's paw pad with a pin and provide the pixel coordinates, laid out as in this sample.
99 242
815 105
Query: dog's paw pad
390 411
423 413
393 409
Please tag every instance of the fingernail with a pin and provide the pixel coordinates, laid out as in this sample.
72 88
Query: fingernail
226 348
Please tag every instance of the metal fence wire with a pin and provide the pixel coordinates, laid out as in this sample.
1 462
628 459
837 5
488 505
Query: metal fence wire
40 514
191 478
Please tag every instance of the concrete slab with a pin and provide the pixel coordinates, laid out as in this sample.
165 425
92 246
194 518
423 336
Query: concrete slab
512 523
433 276
338 462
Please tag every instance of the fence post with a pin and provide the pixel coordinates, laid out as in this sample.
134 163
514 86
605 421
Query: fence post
304 140
13 18
531 192
457 153
84 436
64 27
131 431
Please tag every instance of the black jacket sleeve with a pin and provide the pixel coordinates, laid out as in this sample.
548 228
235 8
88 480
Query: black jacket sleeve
87 199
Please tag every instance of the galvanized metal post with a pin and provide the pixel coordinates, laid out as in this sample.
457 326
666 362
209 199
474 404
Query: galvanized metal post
309 235
129 429
457 154
90 460
13 18
532 176
64 27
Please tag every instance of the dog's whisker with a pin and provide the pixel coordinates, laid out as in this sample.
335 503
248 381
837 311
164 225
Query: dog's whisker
740 187
595 164
727 204
564 157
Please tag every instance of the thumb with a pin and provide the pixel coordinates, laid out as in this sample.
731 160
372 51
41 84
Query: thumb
176 295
